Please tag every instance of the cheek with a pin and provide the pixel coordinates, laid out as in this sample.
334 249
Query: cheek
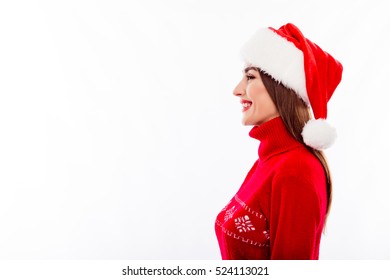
268 101
270 106
254 91
263 103
261 98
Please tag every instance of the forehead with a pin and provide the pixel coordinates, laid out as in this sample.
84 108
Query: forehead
249 68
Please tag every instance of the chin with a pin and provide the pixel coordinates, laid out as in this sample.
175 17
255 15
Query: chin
247 122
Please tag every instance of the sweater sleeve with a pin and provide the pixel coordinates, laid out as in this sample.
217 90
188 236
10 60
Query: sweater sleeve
296 217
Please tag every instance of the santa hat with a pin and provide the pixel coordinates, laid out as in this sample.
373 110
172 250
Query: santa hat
298 64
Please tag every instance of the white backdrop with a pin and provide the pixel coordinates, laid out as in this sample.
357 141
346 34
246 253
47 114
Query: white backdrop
120 137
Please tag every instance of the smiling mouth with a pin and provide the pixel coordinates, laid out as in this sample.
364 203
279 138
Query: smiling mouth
246 105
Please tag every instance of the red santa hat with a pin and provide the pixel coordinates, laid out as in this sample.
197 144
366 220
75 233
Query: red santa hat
302 66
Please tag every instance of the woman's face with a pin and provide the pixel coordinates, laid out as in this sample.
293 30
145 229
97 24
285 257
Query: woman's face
258 106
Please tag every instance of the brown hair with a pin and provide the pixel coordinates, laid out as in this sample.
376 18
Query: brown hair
295 114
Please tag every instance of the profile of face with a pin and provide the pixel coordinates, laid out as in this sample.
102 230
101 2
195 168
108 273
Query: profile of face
258 106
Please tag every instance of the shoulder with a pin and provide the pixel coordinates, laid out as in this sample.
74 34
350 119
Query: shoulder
299 171
299 162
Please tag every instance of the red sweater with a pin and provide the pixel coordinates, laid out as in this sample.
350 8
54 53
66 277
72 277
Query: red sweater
279 210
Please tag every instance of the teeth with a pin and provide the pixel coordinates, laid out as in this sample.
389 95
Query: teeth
246 104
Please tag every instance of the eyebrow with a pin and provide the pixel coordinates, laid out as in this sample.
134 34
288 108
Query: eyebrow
249 68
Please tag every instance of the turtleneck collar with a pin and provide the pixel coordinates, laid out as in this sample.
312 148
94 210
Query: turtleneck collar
274 138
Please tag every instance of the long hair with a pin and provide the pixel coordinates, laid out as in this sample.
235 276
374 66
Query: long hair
295 114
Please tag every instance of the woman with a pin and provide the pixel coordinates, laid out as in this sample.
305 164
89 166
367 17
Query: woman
280 209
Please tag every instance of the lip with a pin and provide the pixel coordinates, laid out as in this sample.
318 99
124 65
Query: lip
243 101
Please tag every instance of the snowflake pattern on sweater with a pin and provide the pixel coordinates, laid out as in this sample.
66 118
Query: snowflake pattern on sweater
244 224
239 221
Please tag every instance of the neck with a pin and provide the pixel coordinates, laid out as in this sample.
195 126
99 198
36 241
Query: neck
274 138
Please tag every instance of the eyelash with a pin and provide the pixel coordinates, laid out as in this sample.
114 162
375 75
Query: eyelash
248 77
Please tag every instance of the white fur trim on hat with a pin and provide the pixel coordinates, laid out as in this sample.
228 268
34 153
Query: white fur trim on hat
279 58
318 134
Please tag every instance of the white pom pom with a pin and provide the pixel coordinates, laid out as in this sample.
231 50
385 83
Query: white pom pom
318 134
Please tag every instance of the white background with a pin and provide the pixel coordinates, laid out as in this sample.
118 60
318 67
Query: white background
120 137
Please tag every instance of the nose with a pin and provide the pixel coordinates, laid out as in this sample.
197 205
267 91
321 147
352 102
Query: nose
239 89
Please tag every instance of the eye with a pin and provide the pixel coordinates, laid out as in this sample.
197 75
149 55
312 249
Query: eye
250 77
